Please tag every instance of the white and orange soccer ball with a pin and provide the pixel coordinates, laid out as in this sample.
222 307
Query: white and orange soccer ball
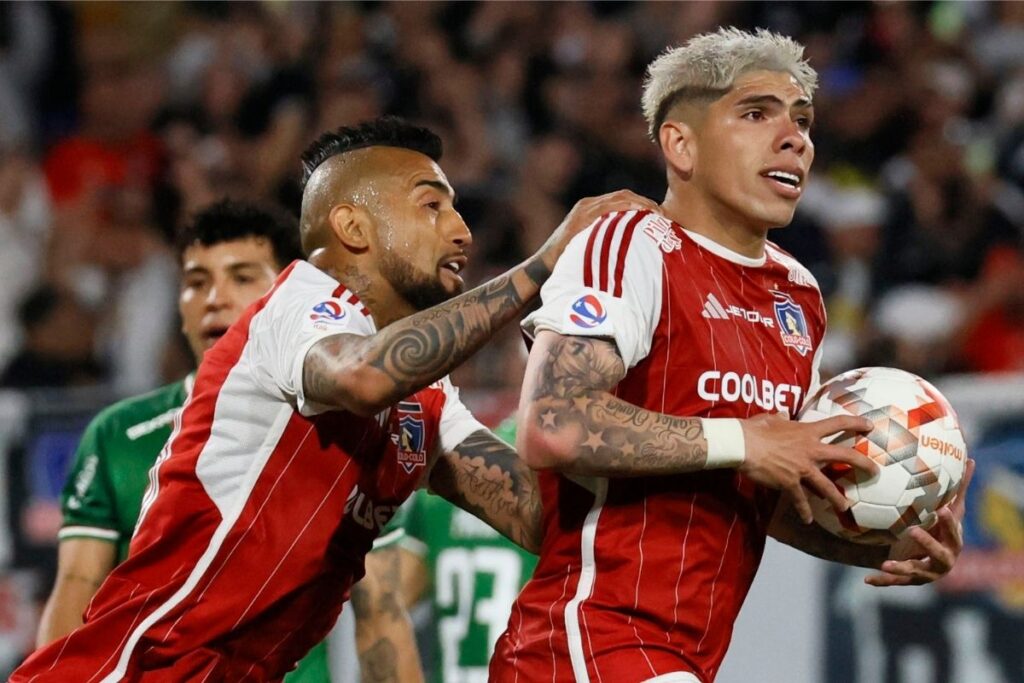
916 442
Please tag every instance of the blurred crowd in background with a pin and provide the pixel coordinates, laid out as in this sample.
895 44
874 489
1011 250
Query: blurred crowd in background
118 120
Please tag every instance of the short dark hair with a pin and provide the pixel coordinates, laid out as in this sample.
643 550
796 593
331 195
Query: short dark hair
387 131
230 219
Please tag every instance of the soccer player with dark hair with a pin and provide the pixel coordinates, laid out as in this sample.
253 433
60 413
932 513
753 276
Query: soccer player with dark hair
316 414
229 254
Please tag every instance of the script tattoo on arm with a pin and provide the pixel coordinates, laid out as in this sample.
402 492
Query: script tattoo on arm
422 348
606 436
787 527
485 477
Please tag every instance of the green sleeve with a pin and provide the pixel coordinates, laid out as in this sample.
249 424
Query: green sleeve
506 431
87 500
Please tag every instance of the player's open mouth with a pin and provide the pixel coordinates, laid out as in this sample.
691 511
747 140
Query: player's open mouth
787 183
212 334
455 266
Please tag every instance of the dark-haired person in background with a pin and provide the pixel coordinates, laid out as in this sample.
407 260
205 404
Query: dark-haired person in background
319 411
230 255
57 351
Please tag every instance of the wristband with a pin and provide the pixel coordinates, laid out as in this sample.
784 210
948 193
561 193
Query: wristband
726 446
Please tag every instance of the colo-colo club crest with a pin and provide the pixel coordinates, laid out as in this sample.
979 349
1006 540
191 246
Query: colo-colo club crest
411 436
792 324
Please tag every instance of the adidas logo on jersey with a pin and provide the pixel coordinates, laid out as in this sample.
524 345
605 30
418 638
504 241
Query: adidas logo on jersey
714 310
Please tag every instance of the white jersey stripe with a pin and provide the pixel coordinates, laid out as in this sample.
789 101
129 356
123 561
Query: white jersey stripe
614 237
596 267
154 472
585 585
682 561
284 556
714 582
142 608
636 591
274 432
551 621
252 523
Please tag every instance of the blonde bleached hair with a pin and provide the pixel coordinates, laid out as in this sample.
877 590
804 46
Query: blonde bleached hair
706 67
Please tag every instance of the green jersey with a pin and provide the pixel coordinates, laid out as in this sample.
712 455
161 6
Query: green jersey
104 489
476 574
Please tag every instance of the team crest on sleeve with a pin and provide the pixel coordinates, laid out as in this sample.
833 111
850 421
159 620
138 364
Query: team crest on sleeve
587 312
328 313
792 323
411 436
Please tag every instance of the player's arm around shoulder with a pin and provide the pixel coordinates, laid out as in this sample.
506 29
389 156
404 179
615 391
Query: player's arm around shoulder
366 374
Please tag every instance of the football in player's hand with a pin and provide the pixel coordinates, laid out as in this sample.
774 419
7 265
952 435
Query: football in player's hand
916 442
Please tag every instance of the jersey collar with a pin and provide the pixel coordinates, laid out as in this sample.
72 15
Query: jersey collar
724 252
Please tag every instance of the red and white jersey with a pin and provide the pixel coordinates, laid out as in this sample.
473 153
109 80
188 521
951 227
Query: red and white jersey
260 510
644 577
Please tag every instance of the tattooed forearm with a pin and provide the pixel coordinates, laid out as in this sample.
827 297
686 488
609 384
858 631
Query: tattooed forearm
384 633
426 346
787 527
602 434
485 477
409 354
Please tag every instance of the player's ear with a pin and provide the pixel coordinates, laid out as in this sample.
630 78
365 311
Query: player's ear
351 226
677 145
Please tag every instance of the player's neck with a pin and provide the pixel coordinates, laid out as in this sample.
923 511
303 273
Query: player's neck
380 299
698 213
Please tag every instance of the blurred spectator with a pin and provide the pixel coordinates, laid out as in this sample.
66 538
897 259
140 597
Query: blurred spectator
994 336
57 351
24 52
24 229
941 221
916 326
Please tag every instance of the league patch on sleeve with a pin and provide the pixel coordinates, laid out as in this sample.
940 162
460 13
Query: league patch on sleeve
328 314
587 312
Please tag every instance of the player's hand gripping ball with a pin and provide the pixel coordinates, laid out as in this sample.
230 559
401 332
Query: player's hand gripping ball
916 442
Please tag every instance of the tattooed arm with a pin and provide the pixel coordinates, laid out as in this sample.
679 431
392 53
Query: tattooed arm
569 421
486 478
366 374
385 639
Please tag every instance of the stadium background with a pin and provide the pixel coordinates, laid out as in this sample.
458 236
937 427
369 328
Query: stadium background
118 120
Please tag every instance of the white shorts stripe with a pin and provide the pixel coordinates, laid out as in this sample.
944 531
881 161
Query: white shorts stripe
588 574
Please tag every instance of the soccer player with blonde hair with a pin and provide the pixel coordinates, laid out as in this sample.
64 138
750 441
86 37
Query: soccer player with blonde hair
669 351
